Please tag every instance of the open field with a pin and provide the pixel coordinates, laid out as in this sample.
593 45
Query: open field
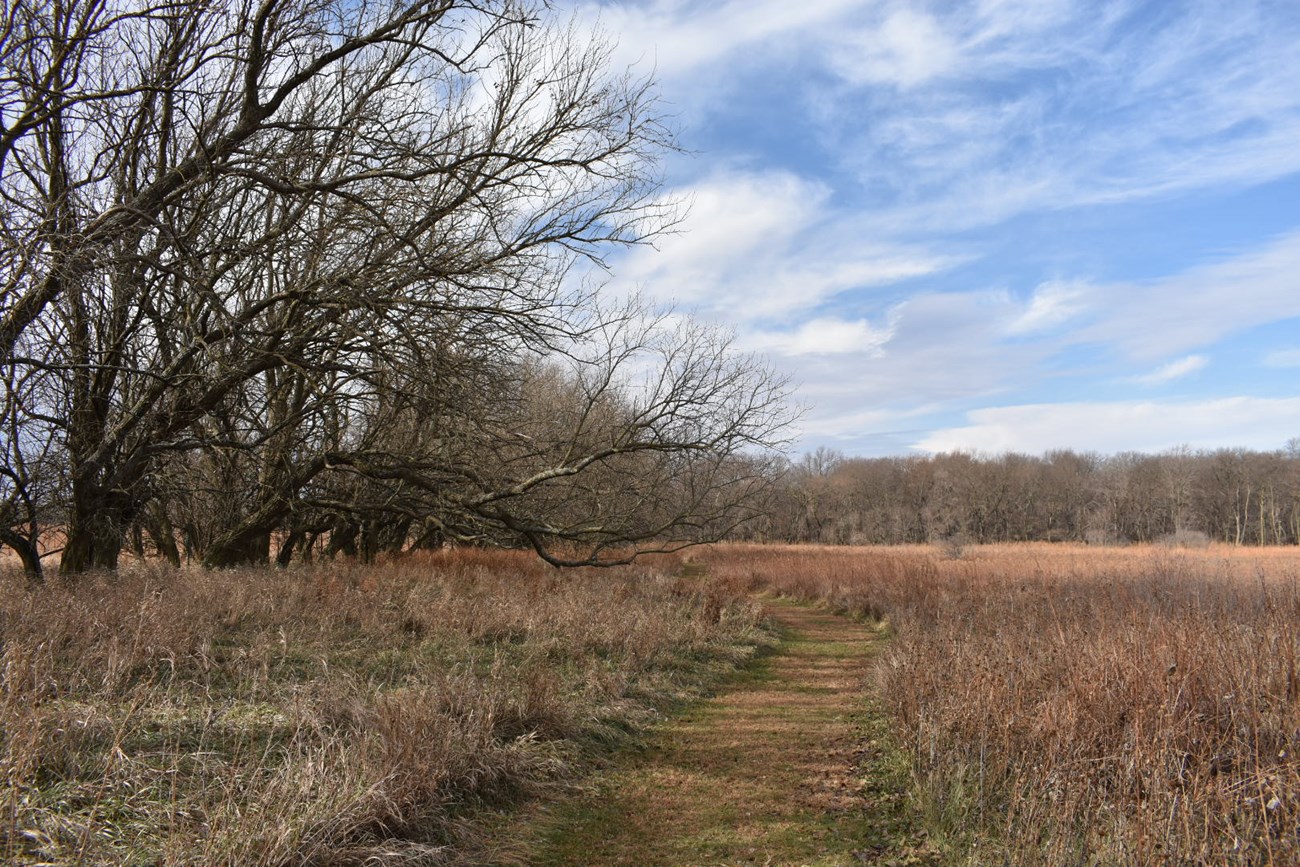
1060 704
329 715
1069 704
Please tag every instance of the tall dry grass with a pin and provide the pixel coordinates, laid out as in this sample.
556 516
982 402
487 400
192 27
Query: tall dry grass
1073 705
335 715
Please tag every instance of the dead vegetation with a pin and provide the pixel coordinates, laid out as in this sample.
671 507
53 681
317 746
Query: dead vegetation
786 765
332 715
1073 705
1061 704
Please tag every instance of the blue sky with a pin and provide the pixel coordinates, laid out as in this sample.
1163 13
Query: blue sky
989 225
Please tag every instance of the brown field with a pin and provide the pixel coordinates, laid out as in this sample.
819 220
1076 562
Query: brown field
1060 704
341 714
1074 705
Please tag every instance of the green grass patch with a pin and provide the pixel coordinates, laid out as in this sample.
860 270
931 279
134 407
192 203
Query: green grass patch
744 777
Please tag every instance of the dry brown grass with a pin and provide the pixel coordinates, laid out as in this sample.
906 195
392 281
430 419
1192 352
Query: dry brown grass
1067 704
335 715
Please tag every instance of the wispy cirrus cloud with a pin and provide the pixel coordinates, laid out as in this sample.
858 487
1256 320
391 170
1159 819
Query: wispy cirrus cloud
822 335
959 115
865 171
1158 318
1078 106
1283 358
1052 304
676 38
1176 369
759 246
954 348
905 48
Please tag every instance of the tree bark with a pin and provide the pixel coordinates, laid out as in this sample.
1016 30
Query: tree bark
95 532
27 553
250 546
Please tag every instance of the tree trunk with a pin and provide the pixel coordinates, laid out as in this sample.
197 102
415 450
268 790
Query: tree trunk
160 530
136 536
94 534
367 543
343 540
291 542
26 550
309 546
250 546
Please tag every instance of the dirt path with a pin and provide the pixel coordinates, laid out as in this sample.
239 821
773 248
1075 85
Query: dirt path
778 769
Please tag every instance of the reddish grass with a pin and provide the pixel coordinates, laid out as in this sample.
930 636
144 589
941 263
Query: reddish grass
1067 704
340 714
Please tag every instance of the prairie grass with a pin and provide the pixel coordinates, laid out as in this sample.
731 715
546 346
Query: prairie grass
1075 705
334 715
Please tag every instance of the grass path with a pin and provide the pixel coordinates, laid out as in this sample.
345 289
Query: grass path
785 766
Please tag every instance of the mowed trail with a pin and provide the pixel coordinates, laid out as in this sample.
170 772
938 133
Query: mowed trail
775 770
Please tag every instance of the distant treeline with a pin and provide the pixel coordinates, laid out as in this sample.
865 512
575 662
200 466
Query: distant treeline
1230 495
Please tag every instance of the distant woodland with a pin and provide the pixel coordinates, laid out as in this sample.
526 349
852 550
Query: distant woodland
1229 495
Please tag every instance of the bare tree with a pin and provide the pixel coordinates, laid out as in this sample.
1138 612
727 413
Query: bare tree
639 436
264 261
1233 495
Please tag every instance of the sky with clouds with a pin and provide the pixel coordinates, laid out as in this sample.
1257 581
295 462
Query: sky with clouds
989 225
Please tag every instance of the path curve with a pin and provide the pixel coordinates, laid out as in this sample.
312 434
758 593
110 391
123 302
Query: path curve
774 770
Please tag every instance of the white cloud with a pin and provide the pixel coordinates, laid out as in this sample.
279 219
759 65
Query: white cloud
974 346
908 48
1200 306
767 246
1173 370
940 349
1283 358
930 119
945 348
857 423
1051 305
678 38
1074 105
969 113
821 336
1108 427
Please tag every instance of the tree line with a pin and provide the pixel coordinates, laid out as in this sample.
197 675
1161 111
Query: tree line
1229 495
290 278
